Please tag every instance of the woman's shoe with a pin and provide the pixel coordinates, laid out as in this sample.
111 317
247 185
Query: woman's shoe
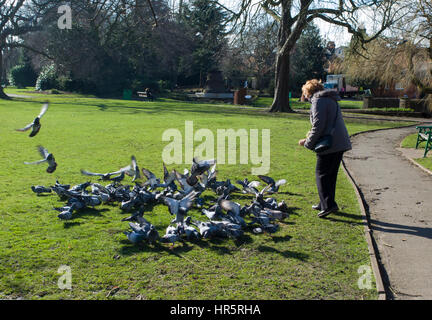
324 213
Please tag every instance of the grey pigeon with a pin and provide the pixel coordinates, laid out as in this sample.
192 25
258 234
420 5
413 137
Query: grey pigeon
133 169
274 185
35 125
179 208
249 187
198 168
171 235
48 157
190 232
40 189
152 180
143 230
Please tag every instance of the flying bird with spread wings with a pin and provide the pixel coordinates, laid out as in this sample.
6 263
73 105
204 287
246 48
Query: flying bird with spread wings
35 125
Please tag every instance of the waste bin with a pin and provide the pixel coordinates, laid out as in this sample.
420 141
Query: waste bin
239 96
127 94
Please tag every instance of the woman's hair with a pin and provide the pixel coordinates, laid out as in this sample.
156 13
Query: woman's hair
312 86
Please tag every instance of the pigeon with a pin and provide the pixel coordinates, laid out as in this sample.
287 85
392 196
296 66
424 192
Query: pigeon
35 125
48 157
143 230
276 214
171 236
40 189
179 208
230 206
133 169
212 215
190 232
249 187
152 180
80 187
274 185
118 178
169 179
103 176
185 186
208 229
198 168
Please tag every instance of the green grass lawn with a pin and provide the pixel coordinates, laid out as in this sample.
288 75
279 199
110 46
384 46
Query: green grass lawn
410 142
308 258
265 102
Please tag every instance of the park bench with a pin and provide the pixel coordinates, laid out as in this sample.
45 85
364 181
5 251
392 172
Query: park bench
424 134
144 95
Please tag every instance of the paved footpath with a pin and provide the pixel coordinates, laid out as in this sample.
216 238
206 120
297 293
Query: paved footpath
399 200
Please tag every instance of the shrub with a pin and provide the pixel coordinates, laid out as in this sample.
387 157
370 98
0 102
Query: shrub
22 76
164 85
47 78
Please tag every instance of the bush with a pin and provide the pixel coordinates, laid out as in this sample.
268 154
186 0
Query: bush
164 85
22 76
47 78
66 84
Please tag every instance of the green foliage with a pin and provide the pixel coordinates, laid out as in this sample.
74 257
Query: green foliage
47 78
204 21
164 85
22 76
307 61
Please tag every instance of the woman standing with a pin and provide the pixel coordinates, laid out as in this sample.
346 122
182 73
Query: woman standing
326 119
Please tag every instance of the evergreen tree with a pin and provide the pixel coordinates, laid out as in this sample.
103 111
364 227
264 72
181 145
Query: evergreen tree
307 61
205 22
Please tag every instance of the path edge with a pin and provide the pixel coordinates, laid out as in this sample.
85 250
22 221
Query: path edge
369 240
372 246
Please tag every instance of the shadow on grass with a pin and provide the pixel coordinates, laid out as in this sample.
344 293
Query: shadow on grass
130 249
286 253
353 219
90 212
68 225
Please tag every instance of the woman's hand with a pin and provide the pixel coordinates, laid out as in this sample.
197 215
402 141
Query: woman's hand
302 142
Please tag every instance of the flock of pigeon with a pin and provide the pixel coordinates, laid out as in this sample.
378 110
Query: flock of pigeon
225 218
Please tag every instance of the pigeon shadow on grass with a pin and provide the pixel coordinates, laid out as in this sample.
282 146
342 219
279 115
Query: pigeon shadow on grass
130 249
290 193
292 210
286 253
91 212
68 225
285 238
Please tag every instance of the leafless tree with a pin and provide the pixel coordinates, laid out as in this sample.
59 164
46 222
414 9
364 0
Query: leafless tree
294 15
403 56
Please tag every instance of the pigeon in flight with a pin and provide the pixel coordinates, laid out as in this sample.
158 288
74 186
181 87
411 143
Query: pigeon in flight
198 168
274 185
103 176
132 169
179 208
35 125
48 157
249 187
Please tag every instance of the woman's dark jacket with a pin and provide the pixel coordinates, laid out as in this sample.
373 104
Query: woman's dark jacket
322 118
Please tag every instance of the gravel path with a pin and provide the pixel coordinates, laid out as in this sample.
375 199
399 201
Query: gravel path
399 202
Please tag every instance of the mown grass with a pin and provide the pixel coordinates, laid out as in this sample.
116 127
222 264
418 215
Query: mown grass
308 258
296 104
410 142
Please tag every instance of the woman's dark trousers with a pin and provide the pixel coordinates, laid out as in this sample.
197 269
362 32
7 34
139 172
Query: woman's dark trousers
326 172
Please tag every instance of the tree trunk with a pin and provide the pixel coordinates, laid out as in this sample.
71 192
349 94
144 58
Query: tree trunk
281 94
2 94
